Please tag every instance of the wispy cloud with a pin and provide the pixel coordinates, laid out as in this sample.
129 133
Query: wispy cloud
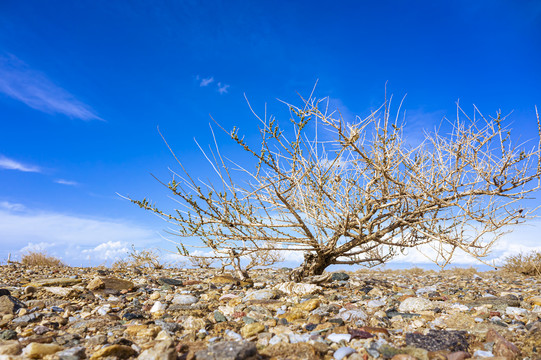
34 89
206 82
222 88
66 182
11 206
10 164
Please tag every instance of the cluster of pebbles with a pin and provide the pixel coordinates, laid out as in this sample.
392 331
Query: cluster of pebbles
91 313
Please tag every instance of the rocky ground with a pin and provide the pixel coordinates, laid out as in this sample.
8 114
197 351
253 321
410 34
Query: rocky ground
78 313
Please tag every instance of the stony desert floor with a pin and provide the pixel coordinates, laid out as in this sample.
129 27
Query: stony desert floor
97 313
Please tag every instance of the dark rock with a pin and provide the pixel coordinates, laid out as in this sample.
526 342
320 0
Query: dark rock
168 281
228 350
4 292
131 316
359 334
8 335
337 321
439 340
339 276
392 313
310 327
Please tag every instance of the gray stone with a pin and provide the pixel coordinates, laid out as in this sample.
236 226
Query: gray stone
25 319
74 353
169 281
219 317
339 276
8 334
228 350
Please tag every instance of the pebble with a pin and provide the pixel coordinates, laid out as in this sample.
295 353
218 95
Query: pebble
184 299
339 337
37 350
415 304
343 352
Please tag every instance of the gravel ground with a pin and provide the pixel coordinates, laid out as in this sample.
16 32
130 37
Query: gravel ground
97 313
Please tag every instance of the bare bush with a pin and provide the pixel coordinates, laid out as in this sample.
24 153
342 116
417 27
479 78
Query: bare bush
353 192
141 259
35 258
528 264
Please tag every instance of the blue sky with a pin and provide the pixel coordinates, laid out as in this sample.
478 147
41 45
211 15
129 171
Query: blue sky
84 85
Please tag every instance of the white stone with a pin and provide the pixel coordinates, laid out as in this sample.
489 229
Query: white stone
263 294
158 307
510 310
483 354
339 337
343 352
293 288
184 299
415 304
298 338
352 315
233 335
426 289
376 303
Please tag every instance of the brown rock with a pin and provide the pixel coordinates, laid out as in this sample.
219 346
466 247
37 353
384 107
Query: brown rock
119 351
458 355
502 346
38 350
110 283
95 284
10 347
403 357
298 351
55 282
7 306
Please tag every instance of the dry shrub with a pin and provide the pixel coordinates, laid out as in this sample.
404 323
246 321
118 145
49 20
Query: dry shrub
526 264
140 258
34 258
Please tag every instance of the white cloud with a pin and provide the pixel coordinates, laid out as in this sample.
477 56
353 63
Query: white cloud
222 88
10 164
11 206
206 82
35 90
66 182
108 251
74 239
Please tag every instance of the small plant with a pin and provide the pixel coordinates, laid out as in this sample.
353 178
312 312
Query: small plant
526 264
34 258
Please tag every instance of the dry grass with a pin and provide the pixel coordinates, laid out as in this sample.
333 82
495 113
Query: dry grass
34 258
526 264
